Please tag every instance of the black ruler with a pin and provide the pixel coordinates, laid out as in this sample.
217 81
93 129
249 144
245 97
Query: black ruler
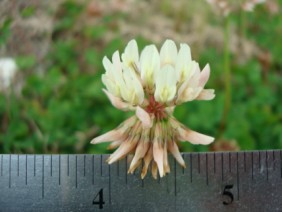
222 181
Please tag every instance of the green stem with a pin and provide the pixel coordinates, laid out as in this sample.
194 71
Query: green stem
227 77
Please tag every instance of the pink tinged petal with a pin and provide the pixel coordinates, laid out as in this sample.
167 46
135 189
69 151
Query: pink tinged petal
154 170
147 161
173 148
158 154
117 102
140 152
204 76
122 151
107 137
144 117
166 164
206 94
193 137
136 164
115 144
186 90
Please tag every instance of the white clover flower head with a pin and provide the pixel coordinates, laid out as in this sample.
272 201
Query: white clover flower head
8 69
225 7
249 5
152 86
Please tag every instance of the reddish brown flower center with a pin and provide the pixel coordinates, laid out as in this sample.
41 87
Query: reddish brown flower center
156 108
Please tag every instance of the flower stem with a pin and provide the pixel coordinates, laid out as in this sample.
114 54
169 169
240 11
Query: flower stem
227 77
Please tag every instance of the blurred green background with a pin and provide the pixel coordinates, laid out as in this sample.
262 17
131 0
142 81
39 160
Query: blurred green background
55 103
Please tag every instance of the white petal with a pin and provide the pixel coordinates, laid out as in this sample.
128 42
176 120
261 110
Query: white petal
131 54
133 87
144 117
150 64
183 62
117 63
107 64
110 85
165 84
168 53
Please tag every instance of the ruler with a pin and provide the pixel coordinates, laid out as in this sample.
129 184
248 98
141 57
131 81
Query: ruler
221 181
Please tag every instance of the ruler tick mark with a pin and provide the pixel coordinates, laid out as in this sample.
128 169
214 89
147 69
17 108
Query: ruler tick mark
252 165
237 166
59 169
1 165
281 162
42 176
101 165
93 169
34 165
26 169
110 192
207 170
183 169
18 165
245 167
68 168
51 167
259 160
199 166
191 167
214 169
118 168
266 164
142 180
175 189
222 177
76 171
10 171
84 162
126 169
274 161
229 158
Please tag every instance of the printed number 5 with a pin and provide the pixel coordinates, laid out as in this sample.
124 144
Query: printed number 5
100 202
227 193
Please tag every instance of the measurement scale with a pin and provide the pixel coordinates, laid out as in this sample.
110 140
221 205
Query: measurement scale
221 181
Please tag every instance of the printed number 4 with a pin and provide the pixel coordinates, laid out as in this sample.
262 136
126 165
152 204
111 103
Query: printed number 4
100 202
227 193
